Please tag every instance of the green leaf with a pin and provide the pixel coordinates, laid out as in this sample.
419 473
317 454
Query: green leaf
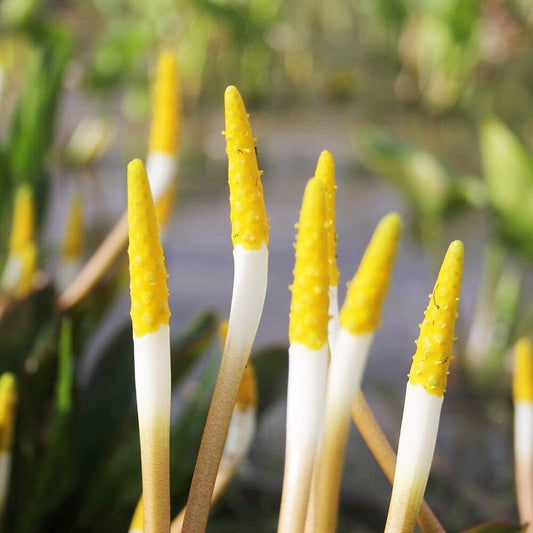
508 172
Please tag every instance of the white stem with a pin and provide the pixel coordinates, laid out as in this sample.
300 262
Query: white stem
523 450
305 406
418 435
249 289
161 169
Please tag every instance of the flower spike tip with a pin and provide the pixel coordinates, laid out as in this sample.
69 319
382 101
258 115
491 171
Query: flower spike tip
425 393
325 172
523 428
359 318
308 357
161 163
250 254
151 341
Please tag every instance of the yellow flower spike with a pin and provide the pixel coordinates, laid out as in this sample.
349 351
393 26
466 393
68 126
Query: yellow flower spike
165 130
434 346
361 311
137 522
74 239
151 342
8 401
28 262
247 394
325 172
309 305
425 394
248 214
308 357
22 231
148 286
523 371
523 422
359 318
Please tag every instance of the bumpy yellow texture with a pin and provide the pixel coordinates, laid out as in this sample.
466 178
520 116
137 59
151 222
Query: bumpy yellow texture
23 219
523 371
74 231
434 345
148 276
8 400
248 215
325 172
361 311
308 322
137 522
165 130
247 395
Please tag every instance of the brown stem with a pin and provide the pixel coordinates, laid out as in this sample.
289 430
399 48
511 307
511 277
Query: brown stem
381 449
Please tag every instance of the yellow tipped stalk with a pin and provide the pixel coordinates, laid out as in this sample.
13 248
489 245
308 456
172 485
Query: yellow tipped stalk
308 357
250 238
161 165
21 265
137 522
8 400
150 317
425 393
359 318
240 435
523 433
325 172
248 215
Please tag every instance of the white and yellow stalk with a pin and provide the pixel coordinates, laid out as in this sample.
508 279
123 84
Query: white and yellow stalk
425 394
359 318
308 358
73 242
19 271
523 430
325 172
240 435
8 401
250 253
161 168
151 341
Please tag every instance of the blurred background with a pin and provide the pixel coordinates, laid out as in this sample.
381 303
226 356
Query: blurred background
426 108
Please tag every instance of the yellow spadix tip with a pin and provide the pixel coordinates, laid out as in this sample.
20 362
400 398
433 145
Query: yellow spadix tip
148 276
434 345
247 395
523 371
325 172
361 311
308 322
164 132
8 400
248 214
22 231
74 231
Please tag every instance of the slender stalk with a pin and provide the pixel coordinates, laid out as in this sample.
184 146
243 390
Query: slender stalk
151 342
425 394
359 317
308 357
250 239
